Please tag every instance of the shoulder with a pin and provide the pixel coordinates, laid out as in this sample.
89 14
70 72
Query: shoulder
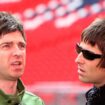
30 94
32 98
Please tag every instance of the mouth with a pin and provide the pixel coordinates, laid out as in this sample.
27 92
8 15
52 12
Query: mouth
81 71
17 64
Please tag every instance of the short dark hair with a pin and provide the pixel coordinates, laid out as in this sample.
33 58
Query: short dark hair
94 34
9 23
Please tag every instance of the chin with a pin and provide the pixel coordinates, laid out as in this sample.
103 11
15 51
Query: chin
83 79
16 76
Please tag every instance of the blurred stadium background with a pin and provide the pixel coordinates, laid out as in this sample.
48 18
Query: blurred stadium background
53 27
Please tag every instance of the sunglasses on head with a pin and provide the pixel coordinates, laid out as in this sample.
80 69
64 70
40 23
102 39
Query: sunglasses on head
87 54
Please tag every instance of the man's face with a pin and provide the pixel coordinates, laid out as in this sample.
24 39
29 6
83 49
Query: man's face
12 56
88 70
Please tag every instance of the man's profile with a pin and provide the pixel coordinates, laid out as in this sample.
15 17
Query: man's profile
91 61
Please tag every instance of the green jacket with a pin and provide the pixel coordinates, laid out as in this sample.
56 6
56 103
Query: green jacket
21 98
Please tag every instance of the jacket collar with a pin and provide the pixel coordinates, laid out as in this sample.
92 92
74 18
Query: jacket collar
95 93
12 99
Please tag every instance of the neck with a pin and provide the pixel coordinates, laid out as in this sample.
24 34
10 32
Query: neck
8 87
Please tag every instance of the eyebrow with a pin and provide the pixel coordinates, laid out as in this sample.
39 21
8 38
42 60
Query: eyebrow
5 43
86 49
11 43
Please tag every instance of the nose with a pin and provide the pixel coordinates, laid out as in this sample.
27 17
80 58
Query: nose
79 58
17 51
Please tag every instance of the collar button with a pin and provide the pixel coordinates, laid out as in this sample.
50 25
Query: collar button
9 101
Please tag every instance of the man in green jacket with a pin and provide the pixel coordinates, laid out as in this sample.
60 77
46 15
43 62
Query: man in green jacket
12 63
